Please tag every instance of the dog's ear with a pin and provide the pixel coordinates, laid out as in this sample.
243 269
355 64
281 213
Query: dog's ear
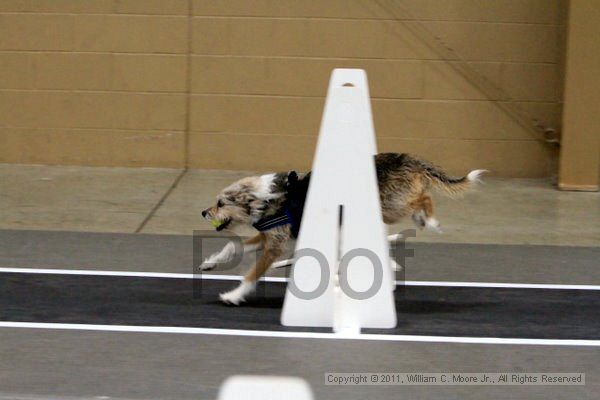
292 181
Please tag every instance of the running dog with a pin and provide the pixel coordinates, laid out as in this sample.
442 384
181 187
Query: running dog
273 205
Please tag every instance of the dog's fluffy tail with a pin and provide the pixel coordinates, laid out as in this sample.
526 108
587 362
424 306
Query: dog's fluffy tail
450 185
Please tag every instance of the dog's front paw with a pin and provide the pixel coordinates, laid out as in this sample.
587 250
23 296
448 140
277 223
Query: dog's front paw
208 264
225 255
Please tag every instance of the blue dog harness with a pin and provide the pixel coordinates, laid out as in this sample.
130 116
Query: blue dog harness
281 218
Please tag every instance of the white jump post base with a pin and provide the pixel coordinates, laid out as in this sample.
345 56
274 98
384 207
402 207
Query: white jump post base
248 387
342 221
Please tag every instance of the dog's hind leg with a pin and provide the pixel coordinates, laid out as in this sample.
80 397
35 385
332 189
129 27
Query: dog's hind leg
419 218
228 252
423 216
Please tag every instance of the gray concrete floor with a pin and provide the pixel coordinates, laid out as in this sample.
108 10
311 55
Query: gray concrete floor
79 198
501 211
113 365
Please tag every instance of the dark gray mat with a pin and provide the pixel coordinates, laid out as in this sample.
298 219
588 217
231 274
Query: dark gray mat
437 311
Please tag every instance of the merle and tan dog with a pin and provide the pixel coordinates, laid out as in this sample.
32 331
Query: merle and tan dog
273 204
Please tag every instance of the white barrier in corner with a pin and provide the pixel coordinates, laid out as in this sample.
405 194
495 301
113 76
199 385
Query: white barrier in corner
343 187
264 388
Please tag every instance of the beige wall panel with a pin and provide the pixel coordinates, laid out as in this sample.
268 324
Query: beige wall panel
491 71
536 82
549 113
393 118
442 81
163 7
301 37
251 152
259 75
57 6
290 8
504 158
128 72
580 146
425 120
92 110
300 77
516 81
256 114
92 147
499 42
534 11
138 34
528 11
175 7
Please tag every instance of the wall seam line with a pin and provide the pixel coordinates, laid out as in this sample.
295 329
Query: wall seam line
188 84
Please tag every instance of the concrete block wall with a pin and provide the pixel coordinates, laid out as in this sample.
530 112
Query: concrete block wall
94 82
240 84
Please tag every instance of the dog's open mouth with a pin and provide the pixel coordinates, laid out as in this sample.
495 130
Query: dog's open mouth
220 225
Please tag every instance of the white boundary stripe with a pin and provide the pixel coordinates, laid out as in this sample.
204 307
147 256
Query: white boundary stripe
283 279
92 272
300 335
500 285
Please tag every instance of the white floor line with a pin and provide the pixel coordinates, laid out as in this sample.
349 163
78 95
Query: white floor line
300 335
283 279
92 272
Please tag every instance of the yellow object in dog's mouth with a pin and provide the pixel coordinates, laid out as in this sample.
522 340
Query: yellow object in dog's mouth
220 225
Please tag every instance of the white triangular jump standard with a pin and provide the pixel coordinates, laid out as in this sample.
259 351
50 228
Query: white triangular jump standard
342 221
